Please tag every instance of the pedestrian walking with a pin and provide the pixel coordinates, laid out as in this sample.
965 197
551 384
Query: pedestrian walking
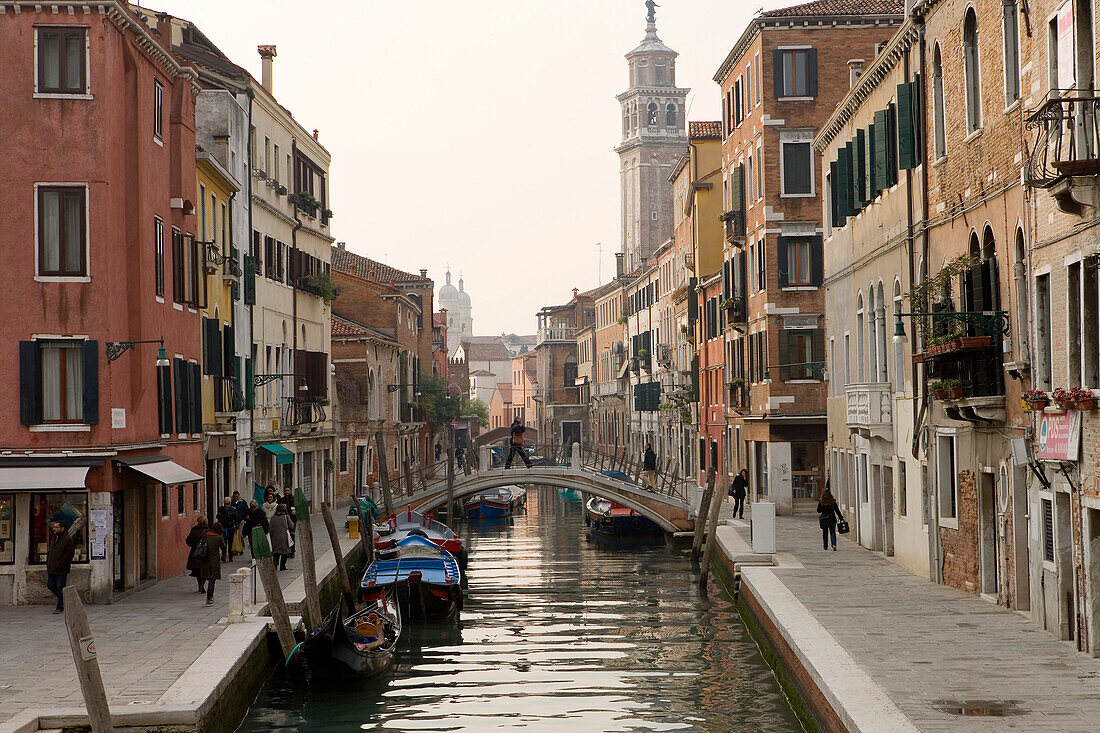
515 444
460 457
649 467
829 514
59 561
739 489
194 561
240 506
210 569
256 518
287 500
227 518
281 539
271 500
438 450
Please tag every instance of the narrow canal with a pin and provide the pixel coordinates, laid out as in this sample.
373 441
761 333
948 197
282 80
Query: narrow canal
561 631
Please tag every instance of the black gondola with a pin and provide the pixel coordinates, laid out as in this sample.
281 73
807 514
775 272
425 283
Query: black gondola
362 643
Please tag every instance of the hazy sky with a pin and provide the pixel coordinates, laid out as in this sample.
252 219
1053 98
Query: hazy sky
477 133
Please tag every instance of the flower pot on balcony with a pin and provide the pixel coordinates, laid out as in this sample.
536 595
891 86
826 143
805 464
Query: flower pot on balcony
1089 403
974 342
954 393
1035 405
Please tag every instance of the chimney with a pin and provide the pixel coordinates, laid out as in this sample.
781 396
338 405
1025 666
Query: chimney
855 70
340 245
423 272
619 264
315 131
267 55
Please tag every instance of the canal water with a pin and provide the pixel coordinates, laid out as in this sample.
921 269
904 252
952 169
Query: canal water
561 631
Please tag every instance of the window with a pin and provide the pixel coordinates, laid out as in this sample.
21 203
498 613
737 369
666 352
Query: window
275 163
798 261
939 131
903 490
759 78
158 256
62 231
7 529
759 169
899 347
738 107
798 350
343 456
761 278
1073 321
62 60
670 115
202 212
569 372
973 83
164 502
186 268
1048 529
158 109
195 498
860 344
47 508
795 72
1043 325
1010 28
180 504
62 365
749 173
948 477
797 167
651 114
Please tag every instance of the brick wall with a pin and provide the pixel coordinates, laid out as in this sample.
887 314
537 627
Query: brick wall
960 546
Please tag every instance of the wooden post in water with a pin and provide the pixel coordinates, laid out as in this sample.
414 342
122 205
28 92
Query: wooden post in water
309 559
341 567
712 529
701 517
383 472
450 475
87 665
261 550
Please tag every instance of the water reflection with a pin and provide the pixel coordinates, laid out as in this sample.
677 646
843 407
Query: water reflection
561 631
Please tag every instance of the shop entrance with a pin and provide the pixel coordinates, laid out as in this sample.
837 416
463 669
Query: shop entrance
989 557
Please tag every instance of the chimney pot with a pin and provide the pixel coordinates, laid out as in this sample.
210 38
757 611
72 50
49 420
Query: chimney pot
423 272
315 131
267 56
340 245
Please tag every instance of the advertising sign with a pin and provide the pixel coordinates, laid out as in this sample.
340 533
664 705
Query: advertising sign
1059 436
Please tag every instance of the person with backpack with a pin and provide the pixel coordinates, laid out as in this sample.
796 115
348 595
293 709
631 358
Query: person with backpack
211 544
194 561
515 444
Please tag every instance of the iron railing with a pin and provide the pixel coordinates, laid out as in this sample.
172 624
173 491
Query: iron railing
1067 140
304 411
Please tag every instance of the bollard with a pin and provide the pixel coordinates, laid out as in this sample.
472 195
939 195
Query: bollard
575 461
309 559
275 601
236 596
87 664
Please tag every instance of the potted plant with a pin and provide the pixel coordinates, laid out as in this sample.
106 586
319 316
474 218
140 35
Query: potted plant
1035 400
946 389
1061 398
1082 399
622 320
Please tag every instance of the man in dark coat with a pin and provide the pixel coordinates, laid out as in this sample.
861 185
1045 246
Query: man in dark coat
515 444
194 564
256 518
59 561
287 500
227 518
739 489
210 567
649 467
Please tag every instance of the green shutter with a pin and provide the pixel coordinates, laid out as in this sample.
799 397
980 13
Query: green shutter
249 280
859 184
835 196
842 187
880 157
891 145
249 386
870 191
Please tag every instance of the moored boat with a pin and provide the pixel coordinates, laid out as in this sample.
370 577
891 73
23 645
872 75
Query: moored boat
396 527
362 643
497 503
423 578
608 517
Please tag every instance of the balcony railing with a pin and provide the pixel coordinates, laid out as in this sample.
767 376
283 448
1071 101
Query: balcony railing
304 411
735 227
556 333
870 406
1067 140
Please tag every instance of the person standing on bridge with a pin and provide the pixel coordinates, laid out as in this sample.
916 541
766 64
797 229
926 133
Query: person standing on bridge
649 467
515 444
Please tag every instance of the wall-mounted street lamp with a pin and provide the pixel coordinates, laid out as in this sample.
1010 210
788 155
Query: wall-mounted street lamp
259 380
395 387
991 323
116 349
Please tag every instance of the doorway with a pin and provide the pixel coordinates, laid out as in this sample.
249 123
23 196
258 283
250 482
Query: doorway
1020 550
570 433
888 510
118 539
876 508
989 550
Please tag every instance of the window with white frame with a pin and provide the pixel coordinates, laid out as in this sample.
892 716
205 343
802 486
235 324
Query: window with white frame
158 109
759 171
62 60
971 72
947 484
796 163
938 126
1011 29
62 231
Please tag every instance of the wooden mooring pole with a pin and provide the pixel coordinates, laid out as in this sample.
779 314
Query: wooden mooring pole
383 472
304 530
450 475
341 566
712 530
87 664
701 517
261 550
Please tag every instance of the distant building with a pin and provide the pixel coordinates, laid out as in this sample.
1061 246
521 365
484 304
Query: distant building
493 358
500 406
456 301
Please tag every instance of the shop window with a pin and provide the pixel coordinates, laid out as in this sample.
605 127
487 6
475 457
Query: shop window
807 470
7 529
70 508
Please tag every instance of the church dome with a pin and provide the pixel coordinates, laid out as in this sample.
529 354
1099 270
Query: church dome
461 295
448 294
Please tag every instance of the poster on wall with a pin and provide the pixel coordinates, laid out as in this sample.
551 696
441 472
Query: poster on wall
99 534
1059 436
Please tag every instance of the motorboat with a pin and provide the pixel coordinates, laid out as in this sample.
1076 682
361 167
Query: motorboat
389 533
497 503
422 577
608 517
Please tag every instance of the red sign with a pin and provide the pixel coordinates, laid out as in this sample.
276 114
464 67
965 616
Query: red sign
1060 436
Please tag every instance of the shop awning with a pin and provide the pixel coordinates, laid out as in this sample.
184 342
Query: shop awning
282 453
42 478
163 471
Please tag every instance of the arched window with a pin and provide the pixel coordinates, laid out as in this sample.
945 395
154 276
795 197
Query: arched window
989 244
899 347
1010 30
880 332
860 350
872 335
937 103
670 115
971 72
651 117
1020 275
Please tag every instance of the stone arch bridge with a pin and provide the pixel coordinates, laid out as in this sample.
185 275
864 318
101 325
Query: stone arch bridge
668 502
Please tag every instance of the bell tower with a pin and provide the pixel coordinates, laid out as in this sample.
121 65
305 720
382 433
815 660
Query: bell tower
654 137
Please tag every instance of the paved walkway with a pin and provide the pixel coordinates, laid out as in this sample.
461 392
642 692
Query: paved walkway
145 642
925 644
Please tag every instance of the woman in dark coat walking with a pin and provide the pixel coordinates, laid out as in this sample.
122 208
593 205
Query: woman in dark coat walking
210 570
256 518
194 564
280 536
739 489
828 513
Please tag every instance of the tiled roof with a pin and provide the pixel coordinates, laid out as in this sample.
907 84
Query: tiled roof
839 7
495 351
505 391
481 373
705 130
344 327
343 260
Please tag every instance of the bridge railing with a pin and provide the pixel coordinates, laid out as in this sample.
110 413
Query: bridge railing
622 464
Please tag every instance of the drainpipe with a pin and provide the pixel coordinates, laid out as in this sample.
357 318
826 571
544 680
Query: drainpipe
251 453
294 258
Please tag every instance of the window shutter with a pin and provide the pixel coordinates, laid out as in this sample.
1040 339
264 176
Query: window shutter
196 398
781 261
856 172
777 72
249 387
841 185
639 398
891 152
229 358
819 345
907 153
869 190
164 399
91 382
978 285
725 279
212 347
811 72
881 155
993 291
249 280
817 257
30 383
182 387
915 114
784 352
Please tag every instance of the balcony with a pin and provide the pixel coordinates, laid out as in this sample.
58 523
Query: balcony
559 334
301 411
1065 153
734 222
870 409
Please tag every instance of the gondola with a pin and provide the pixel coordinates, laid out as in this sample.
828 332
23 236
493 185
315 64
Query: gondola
424 579
362 643
397 527
607 517
496 504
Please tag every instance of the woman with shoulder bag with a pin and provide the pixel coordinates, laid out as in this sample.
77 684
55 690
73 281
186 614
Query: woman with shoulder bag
280 536
829 513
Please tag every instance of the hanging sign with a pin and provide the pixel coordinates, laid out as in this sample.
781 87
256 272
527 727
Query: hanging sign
1059 436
